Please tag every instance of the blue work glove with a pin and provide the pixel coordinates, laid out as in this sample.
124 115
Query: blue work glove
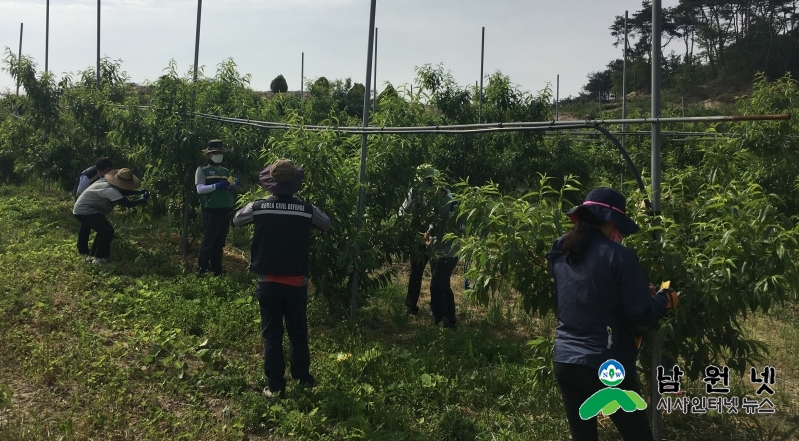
222 184
145 196
236 183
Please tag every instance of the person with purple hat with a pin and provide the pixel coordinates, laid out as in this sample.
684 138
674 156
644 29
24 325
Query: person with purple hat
603 297
280 257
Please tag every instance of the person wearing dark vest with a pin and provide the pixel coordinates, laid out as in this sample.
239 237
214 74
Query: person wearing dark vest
214 184
91 175
280 258
97 202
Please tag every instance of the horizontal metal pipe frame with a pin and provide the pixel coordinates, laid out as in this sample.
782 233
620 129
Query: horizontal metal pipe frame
500 127
472 127
648 133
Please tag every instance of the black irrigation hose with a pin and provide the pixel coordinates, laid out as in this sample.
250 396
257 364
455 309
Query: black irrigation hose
629 162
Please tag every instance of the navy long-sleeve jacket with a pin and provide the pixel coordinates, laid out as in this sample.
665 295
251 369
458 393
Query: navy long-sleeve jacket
601 301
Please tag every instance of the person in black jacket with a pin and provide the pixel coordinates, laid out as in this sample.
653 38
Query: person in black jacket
603 296
279 256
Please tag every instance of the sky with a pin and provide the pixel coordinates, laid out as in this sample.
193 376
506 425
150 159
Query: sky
531 41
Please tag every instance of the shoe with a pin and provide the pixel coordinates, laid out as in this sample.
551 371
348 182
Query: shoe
86 257
100 260
309 384
449 325
412 310
277 395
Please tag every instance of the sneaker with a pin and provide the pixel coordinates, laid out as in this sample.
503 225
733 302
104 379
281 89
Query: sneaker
412 310
277 395
86 257
100 260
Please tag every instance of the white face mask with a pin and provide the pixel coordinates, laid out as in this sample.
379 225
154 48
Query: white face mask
217 158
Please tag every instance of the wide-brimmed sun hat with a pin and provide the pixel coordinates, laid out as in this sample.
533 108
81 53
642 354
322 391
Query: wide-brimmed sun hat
606 204
215 146
123 178
282 177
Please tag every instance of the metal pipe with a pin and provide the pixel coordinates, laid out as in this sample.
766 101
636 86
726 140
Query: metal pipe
374 104
662 133
443 131
302 76
19 55
19 60
362 178
733 118
197 39
47 38
737 118
557 97
599 98
98 44
482 64
657 344
577 125
184 244
624 94
624 78
390 131
450 128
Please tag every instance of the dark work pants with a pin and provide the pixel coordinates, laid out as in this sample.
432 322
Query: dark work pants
215 228
101 247
577 383
278 301
415 279
442 299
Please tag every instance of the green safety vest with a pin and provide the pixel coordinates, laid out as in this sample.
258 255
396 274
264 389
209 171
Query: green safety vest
218 199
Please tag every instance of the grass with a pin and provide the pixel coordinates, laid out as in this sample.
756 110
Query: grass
137 350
